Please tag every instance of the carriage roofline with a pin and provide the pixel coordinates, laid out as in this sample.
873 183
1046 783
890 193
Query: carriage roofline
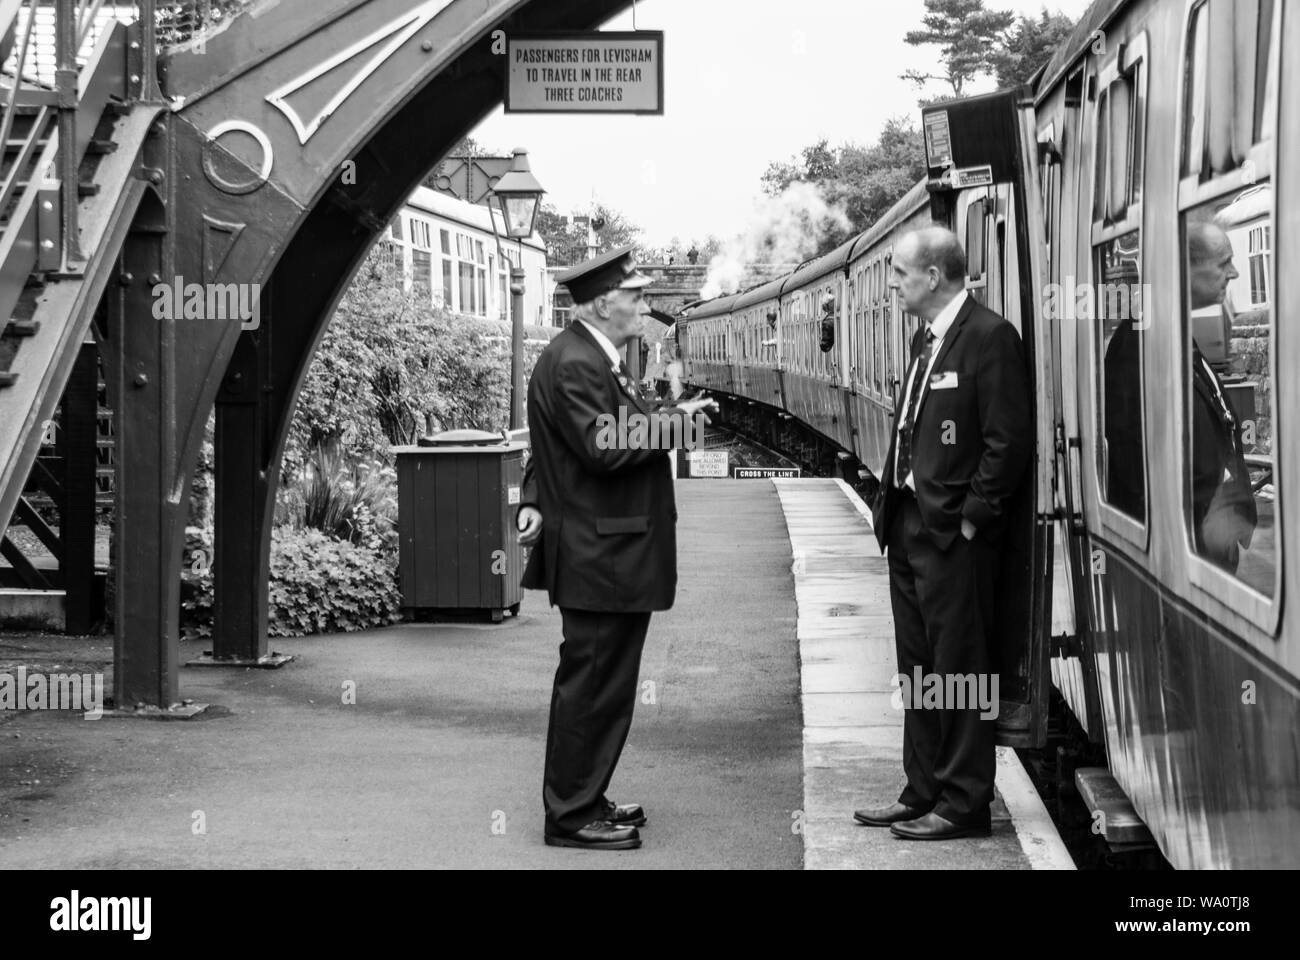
1097 17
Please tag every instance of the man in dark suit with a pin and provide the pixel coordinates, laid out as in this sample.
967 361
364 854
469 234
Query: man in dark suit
1223 503
961 447
597 507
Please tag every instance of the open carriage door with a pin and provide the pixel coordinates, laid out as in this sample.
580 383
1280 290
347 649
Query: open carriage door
981 155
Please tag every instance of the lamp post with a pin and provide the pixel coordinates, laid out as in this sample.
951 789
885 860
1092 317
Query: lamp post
519 195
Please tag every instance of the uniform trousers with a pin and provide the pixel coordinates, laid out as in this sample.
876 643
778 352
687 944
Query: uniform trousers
591 712
943 605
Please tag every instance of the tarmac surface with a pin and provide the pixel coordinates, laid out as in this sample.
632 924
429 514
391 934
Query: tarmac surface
438 764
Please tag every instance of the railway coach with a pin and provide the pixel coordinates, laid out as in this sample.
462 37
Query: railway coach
1127 212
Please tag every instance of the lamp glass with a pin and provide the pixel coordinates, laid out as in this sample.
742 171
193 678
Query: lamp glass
519 211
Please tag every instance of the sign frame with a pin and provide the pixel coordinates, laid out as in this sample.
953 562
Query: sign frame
693 457
766 473
615 35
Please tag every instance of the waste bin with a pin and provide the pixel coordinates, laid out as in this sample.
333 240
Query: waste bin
459 556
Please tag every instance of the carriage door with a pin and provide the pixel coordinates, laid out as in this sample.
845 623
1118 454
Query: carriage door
981 161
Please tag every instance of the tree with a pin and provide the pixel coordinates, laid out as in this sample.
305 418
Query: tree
1029 46
863 181
566 237
969 35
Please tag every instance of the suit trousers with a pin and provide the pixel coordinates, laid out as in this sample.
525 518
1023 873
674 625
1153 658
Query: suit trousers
591 712
943 605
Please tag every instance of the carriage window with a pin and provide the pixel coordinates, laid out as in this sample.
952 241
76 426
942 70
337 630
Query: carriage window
975 240
1231 85
1228 286
1115 301
1226 203
1120 343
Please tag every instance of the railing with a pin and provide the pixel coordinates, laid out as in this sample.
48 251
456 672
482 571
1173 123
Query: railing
45 45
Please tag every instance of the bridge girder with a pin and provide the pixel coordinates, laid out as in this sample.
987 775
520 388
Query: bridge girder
263 121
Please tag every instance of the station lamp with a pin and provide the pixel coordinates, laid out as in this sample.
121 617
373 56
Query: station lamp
518 194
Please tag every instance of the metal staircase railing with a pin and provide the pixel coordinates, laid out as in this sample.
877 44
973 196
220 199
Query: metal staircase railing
61 219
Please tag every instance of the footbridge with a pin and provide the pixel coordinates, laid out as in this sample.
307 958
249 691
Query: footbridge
245 146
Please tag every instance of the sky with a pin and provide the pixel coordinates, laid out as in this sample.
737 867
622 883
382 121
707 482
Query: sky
746 82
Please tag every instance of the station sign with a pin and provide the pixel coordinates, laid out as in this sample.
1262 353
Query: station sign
586 72
972 177
938 139
708 463
763 473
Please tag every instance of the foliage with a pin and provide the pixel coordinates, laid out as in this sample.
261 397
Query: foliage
864 181
391 366
566 237
318 584
348 500
1028 47
968 33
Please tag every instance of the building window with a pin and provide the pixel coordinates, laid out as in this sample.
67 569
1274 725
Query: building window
420 233
422 271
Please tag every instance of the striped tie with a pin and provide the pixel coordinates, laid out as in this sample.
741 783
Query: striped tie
909 423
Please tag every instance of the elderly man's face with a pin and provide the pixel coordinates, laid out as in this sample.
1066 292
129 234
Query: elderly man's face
913 284
1211 270
624 310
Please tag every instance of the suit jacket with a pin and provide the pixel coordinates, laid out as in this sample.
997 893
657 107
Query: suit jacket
609 538
1221 488
972 438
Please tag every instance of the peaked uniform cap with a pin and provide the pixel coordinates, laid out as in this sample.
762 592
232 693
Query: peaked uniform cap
611 271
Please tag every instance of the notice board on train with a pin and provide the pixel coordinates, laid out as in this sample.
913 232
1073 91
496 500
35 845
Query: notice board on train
586 72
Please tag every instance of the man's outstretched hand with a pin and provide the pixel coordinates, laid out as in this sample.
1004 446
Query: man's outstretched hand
704 405
530 525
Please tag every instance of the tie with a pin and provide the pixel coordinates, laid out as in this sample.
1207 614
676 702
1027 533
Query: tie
909 422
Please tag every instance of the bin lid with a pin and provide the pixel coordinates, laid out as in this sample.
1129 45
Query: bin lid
462 438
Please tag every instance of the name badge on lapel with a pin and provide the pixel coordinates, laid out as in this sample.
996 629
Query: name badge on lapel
944 381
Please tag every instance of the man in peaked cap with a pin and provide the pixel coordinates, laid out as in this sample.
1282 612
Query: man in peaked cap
600 518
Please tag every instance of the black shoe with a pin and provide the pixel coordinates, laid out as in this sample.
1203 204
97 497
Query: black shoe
934 827
884 816
598 835
625 814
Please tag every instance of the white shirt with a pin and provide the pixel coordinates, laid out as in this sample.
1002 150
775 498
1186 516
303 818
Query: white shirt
606 344
939 326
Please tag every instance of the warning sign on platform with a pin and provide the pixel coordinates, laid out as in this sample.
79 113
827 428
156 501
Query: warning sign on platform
586 73
708 463
762 473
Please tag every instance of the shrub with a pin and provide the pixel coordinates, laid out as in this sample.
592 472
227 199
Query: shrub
319 584
349 501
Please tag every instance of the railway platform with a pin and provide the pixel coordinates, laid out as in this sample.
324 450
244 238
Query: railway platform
764 721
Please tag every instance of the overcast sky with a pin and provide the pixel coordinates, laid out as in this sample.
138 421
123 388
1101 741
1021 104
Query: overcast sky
746 82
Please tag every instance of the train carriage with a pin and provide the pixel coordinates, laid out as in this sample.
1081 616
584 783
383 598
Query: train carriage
816 383
1161 125
1127 214
879 332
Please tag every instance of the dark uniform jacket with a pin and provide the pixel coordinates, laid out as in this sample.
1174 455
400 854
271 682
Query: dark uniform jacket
609 538
1221 486
973 433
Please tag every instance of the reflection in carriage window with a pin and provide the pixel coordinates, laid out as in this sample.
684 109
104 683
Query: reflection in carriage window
1229 276
1119 312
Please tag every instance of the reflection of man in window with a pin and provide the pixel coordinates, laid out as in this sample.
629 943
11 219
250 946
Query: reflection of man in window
1125 484
1122 386
1223 505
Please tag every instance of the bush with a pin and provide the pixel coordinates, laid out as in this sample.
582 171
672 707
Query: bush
356 502
319 584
